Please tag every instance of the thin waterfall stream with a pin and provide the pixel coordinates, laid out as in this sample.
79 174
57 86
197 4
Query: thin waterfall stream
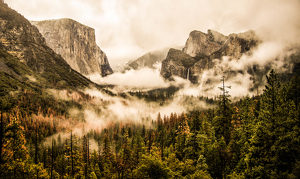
188 74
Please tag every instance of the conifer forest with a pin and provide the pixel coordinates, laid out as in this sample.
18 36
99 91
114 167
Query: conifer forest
254 137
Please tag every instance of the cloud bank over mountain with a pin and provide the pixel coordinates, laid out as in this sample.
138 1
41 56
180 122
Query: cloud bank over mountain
127 29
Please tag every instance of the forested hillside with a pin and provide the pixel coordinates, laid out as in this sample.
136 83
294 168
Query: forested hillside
255 137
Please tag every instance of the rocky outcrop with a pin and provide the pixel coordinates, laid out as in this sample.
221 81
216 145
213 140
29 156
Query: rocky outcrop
198 68
236 45
176 63
216 36
202 48
183 65
202 43
76 43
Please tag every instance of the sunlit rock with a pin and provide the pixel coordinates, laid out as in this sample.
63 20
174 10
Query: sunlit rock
76 43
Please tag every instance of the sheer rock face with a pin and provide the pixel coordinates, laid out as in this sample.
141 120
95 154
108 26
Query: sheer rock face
202 48
76 43
174 64
23 41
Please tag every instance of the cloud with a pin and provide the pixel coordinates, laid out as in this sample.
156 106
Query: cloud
127 29
142 79
104 109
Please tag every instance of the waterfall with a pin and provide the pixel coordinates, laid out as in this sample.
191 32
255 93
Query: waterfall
188 74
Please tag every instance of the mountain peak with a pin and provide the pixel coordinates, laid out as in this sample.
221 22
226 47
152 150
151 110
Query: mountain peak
23 42
202 48
216 36
76 43
200 42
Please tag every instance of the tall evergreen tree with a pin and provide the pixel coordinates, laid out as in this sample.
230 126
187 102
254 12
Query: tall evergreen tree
15 154
222 122
127 160
192 143
108 158
274 146
182 134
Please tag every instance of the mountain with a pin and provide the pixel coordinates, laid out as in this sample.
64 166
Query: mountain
202 43
149 59
237 44
76 43
27 62
176 63
200 50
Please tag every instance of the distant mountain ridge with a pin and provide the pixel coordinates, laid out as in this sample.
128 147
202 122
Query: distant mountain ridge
149 59
76 43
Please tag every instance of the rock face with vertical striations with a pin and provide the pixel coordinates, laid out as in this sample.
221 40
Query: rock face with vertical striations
23 52
176 63
202 48
76 43
202 43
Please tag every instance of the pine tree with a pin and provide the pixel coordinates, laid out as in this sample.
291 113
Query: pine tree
275 142
52 159
152 167
15 154
36 146
107 158
183 133
218 158
85 155
4 106
1 141
71 154
139 148
240 143
127 160
192 144
222 122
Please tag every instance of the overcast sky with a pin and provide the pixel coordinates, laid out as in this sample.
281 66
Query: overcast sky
126 29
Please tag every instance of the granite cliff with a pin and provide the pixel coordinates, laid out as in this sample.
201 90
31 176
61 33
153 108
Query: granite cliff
23 53
177 63
202 43
202 48
76 43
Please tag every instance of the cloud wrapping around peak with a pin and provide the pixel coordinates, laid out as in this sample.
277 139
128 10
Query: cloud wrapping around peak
126 30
